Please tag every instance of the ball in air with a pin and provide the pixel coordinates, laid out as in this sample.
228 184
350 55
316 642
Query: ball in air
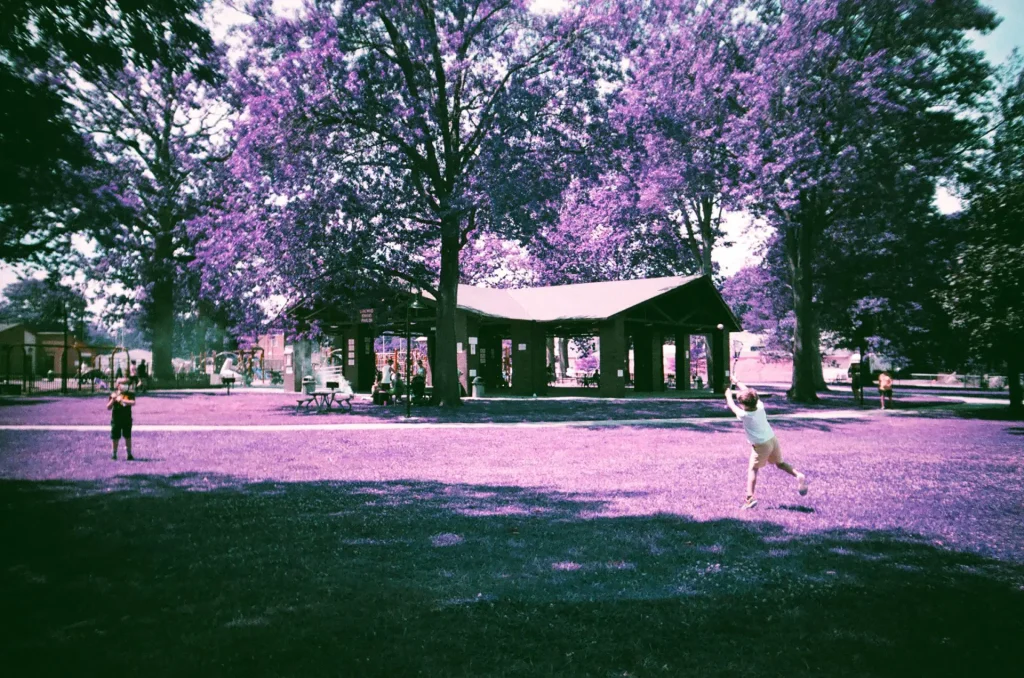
720 326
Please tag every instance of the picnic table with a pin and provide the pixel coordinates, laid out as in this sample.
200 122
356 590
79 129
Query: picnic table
324 400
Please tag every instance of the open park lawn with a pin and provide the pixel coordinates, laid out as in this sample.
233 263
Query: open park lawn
506 550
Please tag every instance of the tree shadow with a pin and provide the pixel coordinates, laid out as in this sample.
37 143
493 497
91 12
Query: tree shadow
214 575
543 410
977 412
20 401
729 423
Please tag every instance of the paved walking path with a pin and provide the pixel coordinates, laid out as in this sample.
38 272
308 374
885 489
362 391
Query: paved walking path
414 424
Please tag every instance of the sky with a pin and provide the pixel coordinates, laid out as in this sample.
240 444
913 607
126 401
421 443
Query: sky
997 46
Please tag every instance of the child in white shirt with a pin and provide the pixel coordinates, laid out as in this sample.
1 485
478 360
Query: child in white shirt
766 448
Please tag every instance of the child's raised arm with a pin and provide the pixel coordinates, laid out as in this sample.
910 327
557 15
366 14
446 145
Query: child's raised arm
732 403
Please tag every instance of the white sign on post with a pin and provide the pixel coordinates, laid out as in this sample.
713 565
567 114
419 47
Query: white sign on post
620 373
472 349
472 341
472 373
522 347
687 354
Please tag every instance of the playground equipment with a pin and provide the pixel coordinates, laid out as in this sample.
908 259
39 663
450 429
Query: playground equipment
116 364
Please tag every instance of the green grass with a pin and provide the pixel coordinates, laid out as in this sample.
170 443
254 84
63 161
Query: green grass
210 575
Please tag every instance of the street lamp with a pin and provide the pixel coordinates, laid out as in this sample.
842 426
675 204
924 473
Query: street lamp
415 303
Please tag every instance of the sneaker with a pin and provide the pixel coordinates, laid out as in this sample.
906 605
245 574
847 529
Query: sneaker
801 485
131 458
749 504
114 457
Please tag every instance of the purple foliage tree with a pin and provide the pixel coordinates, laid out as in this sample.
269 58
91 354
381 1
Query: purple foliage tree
654 202
155 123
48 48
986 282
380 137
840 93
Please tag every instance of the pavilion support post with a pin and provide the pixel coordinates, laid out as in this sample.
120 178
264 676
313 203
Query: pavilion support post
360 362
431 354
612 335
643 359
467 338
720 360
657 344
490 358
682 361
529 354
302 364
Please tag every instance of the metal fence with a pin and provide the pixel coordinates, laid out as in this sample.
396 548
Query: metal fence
26 369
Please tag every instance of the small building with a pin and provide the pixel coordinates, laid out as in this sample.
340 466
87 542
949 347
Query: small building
18 351
51 348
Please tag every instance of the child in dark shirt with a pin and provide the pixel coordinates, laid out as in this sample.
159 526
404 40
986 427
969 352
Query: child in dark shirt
120 405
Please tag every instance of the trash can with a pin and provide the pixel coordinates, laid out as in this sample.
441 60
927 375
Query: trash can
309 384
478 387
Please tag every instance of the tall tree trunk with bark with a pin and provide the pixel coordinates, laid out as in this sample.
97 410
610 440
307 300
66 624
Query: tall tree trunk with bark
445 367
563 354
1013 368
819 372
160 309
799 245
161 325
707 234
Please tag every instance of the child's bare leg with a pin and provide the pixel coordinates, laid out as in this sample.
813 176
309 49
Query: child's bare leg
783 466
113 448
801 479
751 480
128 447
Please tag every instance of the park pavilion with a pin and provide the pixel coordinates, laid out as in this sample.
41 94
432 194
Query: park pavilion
639 313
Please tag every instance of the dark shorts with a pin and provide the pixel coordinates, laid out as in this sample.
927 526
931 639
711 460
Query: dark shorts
120 428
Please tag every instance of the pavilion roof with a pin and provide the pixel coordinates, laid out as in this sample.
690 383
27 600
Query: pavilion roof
580 302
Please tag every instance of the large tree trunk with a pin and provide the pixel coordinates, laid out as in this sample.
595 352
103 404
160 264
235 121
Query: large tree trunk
563 354
799 244
819 372
1013 366
446 378
550 345
161 325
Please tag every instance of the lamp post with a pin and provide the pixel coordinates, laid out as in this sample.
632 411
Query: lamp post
64 351
415 303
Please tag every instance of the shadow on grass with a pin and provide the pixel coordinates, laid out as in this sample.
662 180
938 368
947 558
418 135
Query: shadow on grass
24 400
550 410
979 412
729 424
210 575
